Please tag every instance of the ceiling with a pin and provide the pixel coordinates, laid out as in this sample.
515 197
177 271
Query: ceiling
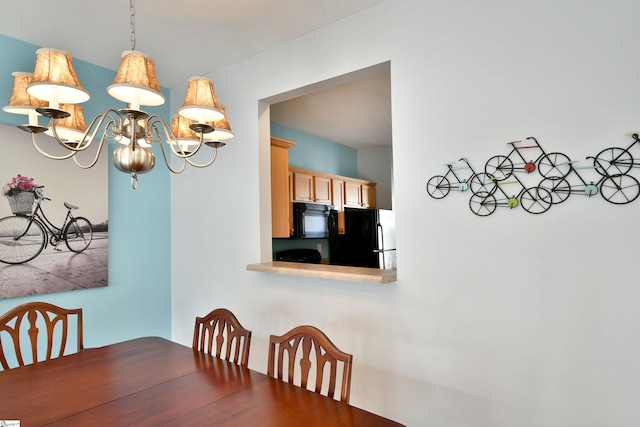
196 37
356 114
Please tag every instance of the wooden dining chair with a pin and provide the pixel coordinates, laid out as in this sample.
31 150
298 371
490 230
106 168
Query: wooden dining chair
54 322
222 326
297 345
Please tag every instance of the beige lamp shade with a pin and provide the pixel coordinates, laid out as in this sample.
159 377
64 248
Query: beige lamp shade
71 128
200 103
136 82
222 128
55 80
20 102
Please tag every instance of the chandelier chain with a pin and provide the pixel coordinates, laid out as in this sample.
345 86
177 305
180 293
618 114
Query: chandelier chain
132 23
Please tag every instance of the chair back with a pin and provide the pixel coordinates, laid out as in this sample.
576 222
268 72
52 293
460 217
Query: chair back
297 346
232 341
48 328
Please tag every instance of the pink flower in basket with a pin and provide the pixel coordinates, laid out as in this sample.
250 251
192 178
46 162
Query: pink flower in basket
18 184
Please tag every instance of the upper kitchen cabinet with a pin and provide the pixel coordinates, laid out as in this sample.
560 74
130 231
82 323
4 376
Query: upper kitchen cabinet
322 187
309 186
369 195
352 194
329 189
280 200
359 194
302 185
337 199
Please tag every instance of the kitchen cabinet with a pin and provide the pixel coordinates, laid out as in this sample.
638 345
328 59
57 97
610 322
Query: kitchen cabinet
359 194
302 186
352 194
322 188
337 200
368 195
281 210
309 186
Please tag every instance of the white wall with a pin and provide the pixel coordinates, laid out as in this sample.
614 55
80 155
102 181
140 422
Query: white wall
376 165
510 320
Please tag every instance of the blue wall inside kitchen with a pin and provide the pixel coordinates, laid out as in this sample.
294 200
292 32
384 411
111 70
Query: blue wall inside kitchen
312 152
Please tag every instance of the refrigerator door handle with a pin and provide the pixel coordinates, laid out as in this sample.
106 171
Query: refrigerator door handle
380 248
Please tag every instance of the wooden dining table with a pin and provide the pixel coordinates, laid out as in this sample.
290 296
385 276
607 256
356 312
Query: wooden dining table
152 381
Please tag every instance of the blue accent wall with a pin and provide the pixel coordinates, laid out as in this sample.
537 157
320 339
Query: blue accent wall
312 152
137 301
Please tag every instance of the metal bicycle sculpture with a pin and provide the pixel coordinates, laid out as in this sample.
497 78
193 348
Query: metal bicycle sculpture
439 186
617 160
24 236
502 167
560 179
488 195
619 188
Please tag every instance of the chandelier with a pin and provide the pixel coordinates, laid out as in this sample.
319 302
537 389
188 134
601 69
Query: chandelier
54 91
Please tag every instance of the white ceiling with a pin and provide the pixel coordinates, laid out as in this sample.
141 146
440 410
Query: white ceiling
194 37
356 114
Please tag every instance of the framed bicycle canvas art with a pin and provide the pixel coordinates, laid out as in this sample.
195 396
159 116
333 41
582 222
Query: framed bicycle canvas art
53 220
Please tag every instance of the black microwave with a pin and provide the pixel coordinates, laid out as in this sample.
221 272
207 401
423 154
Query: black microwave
314 221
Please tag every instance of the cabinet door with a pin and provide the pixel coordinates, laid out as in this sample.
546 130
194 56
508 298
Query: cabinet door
337 193
337 200
352 194
368 196
302 187
280 197
290 203
322 187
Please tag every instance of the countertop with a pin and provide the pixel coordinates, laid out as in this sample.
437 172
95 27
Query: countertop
325 271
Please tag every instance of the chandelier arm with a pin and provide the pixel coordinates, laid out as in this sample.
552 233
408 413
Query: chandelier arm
171 139
168 162
209 163
95 159
176 148
195 150
154 133
85 143
47 155
200 144
114 122
181 153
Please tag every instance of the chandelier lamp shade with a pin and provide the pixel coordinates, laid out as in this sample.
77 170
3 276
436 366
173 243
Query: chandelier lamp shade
54 91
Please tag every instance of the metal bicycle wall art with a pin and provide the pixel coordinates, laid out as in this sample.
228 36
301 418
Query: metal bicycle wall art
545 180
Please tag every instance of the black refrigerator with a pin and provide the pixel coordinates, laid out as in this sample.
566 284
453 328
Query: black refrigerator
369 240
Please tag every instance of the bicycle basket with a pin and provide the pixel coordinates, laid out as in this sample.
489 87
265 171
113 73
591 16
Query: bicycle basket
22 202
